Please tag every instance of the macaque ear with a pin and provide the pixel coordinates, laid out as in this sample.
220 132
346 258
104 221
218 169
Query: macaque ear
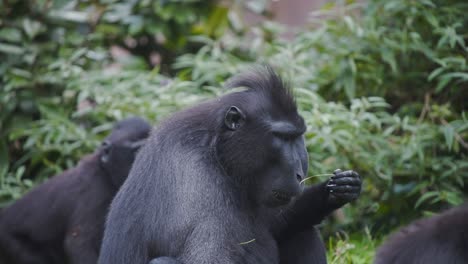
234 118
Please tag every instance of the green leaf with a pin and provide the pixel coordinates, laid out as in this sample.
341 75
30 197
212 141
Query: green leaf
257 7
31 28
10 49
389 58
10 34
442 84
435 73
426 196
449 135
69 15
454 198
462 75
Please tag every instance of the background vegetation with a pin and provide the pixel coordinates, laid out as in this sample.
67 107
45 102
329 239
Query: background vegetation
383 86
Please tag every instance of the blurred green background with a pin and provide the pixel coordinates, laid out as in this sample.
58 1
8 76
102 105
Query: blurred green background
382 85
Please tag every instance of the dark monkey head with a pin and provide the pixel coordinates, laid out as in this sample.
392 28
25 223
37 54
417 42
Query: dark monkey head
261 140
118 150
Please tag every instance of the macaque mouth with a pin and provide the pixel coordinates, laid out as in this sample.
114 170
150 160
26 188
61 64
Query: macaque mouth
282 197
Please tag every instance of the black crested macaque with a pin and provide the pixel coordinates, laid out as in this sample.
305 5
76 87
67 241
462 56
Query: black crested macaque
62 220
224 185
440 239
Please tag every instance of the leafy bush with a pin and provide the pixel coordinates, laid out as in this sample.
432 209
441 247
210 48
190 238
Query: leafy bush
45 45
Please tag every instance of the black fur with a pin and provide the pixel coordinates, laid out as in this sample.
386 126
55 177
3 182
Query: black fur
437 240
62 220
222 183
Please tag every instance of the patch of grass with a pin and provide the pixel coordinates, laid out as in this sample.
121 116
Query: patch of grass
351 249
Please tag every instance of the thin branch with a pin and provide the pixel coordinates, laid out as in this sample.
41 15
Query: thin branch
426 107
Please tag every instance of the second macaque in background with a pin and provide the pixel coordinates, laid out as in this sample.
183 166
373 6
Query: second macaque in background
441 239
62 220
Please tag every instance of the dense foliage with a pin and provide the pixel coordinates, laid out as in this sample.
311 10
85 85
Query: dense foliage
383 87
47 45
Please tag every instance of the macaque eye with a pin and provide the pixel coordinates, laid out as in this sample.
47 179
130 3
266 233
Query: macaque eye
286 136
